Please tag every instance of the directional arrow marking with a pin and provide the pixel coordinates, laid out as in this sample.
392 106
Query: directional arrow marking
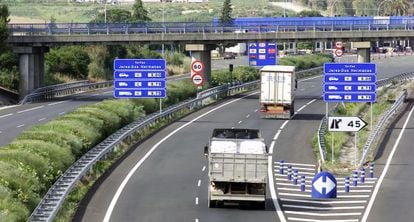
329 185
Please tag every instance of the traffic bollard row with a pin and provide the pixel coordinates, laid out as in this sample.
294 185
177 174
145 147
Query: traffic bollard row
355 178
362 175
289 174
371 170
281 165
302 183
295 177
347 184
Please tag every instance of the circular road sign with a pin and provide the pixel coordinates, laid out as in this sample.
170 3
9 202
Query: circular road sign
198 79
197 66
339 52
339 45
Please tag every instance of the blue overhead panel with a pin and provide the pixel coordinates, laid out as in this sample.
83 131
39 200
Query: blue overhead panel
139 78
349 82
262 53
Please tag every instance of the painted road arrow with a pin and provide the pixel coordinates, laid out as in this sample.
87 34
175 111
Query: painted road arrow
345 124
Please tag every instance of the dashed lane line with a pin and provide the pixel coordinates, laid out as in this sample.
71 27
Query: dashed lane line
240 122
41 119
20 126
196 200
31 109
56 103
204 168
10 114
248 115
199 183
61 113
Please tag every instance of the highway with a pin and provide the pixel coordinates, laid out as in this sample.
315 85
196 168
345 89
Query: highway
169 175
15 119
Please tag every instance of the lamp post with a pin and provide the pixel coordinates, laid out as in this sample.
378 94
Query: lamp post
379 6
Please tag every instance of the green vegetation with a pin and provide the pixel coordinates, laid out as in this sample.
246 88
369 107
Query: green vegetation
225 17
306 61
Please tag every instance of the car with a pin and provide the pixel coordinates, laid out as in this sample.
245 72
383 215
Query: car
229 55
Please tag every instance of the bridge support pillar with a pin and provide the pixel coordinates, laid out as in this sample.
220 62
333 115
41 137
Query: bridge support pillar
363 51
202 53
31 68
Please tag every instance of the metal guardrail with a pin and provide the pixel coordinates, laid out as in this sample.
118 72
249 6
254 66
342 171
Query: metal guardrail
51 92
381 83
375 134
56 195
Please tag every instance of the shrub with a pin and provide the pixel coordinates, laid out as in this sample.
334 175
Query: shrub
111 121
125 109
148 105
11 209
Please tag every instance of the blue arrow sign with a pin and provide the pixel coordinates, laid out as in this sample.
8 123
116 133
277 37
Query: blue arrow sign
139 74
140 84
350 68
349 97
139 64
329 87
147 93
363 78
324 185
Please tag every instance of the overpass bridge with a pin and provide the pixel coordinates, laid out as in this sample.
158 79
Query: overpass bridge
31 41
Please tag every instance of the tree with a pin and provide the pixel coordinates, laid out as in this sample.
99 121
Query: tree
364 7
4 19
395 7
309 13
114 15
226 11
139 13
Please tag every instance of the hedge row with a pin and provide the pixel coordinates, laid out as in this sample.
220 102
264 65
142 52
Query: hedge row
306 61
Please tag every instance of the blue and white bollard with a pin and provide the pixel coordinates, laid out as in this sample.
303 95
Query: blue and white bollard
289 175
371 170
355 178
302 183
281 165
362 175
295 177
347 184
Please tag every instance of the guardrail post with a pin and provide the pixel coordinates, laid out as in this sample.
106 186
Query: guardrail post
302 183
289 174
362 175
347 184
355 178
371 170
281 163
295 177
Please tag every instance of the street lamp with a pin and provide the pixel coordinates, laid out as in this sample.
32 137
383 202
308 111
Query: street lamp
379 6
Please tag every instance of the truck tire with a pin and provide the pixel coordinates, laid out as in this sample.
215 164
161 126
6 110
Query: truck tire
212 204
292 110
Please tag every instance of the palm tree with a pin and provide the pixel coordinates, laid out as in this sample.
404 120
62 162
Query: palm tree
394 7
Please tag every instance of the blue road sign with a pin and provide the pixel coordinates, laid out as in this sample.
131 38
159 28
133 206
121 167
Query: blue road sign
140 64
324 185
262 53
329 87
349 97
134 93
362 78
139 74
350 68
125 84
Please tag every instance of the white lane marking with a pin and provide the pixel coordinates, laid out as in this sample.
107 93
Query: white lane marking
272 189
299 173
42 119
289 189
312 86
256 110
196 200
355 191
323 208
350 178
353 196
139 163
0 131
62 113
31 109
387 165
199 183
7 107
291 184
240 122
294 195
311 101
323 214
248 115
56 103
298 168
10 114
272 145
300 109
233 127
298 164
96 94
312 220
204 168
284 124
324 202
314 77
196 220
20 126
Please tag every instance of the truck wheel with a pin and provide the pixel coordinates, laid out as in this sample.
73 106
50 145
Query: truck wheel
292 110
212 204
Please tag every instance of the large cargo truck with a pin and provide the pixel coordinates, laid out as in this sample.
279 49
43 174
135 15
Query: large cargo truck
237 167
277 91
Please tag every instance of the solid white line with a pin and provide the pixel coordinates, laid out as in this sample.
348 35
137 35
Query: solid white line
355 191
20 126
350 179
313 100
298 164
196 200
199 183
271 180
291 184
299 173
311 220
52 104
62 113
323 214
204 168
42 119
324 202
284 124
139 163
256 110
387 165
248 115
196 220
323 208
299 168
10 114
7 107
314 77
359 183
272 144
294 195
291 189
353 196
240 122
31 109
301 108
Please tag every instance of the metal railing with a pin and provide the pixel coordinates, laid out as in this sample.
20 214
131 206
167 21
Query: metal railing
51 92
380 83
375 134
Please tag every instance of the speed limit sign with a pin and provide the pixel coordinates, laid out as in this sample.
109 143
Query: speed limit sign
339 52
339 45
197 66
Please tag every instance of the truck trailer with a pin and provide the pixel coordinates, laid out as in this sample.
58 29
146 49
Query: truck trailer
277 91
237 167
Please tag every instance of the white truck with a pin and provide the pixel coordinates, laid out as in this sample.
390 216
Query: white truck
277 91
237 167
